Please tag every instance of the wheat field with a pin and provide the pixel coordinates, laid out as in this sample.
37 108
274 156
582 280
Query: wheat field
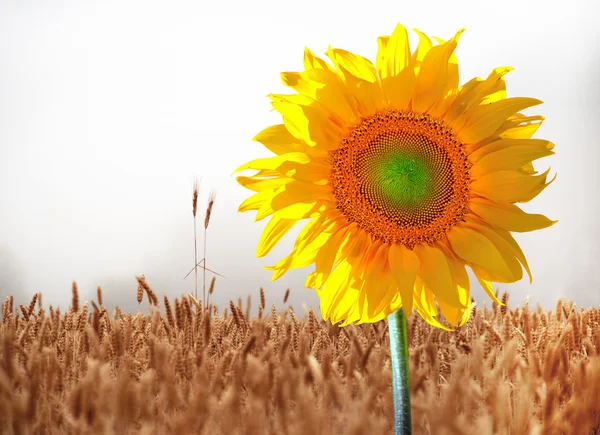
180 369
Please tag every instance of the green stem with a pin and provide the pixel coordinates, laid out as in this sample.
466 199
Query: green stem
400 380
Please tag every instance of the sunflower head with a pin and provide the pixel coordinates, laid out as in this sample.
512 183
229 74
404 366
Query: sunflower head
404 179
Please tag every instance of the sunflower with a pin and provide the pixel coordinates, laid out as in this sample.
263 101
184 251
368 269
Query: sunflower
404 178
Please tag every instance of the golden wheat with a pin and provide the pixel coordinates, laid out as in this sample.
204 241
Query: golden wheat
195 190
507 371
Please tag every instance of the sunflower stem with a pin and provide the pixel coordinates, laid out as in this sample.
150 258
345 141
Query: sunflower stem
400 379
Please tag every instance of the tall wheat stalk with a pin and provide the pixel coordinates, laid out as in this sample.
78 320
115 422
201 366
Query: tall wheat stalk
194 210
209 207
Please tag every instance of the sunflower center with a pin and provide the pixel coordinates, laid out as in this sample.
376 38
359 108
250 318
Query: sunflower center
403 177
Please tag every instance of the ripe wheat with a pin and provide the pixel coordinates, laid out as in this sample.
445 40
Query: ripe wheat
516 371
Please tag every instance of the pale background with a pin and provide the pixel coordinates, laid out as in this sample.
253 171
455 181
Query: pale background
109 109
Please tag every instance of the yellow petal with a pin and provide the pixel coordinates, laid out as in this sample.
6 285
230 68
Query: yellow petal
326 87
314 62
484 273
359 248
510 186
292 211
504 143
309 241
326 256
354 64
452 82
460 278
487 118
296 192
353 314
258 185
456 316
466 314
474 93
399 89
336 295
432 81
363 258
369 98
501 244
520 126
307 120
508 216
314 173
395 54
421 51
424 304
493 88
396 304
487 286
510 159
404 265
274 162
435 273
255 201
275 229
278 140
528 169
390 301
377 281
266 173
298 210
517 126
308 254
382 43
439 109
462 100
475 248
515 249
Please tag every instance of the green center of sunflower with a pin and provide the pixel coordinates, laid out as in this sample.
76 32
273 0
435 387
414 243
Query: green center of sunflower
403 177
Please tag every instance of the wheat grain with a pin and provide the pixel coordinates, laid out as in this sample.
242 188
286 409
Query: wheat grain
32 305
152 298
262 298
140 293
75 298
209 208
99 295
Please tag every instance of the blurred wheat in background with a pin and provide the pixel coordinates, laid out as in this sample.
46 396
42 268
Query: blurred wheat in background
184 369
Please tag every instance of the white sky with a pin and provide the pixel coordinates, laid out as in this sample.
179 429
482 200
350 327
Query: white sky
108 111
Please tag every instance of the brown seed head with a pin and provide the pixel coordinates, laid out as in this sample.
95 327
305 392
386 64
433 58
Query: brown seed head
151 295
32 304
169 313
262 298
140 293
504 300
100 295
75 298
209 207
235 315
196 187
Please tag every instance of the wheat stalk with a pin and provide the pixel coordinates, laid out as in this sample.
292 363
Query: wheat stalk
196 188
209 207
